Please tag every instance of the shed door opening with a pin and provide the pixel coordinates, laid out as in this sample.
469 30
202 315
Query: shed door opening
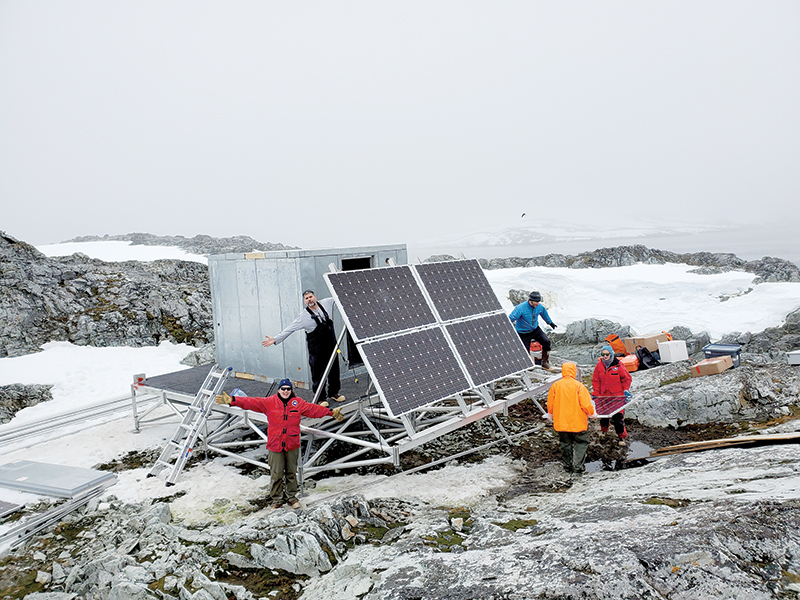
354 264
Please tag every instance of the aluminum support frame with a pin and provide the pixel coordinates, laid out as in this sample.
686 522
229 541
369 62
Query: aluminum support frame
371 436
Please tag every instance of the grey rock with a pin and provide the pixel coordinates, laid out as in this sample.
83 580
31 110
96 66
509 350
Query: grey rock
594 331
17 396
129 591
50 596
102 304
747 393
237 560
202 356
199 244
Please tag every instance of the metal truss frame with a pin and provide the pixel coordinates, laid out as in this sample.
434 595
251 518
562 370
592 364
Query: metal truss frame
374 436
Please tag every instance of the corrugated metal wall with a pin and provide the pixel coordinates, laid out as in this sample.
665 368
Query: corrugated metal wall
259 294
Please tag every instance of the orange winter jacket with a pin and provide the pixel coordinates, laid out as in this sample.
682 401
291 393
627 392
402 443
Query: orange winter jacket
569 401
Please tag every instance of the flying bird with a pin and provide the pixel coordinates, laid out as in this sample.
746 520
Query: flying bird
523 214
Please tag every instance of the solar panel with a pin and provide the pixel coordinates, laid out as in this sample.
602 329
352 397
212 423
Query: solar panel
7 508
607 406
489 347
414 369
380 301
458 288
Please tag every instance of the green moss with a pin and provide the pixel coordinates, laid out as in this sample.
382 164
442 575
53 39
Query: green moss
179 334
261 582
18 583
683 377
654 500
515 524
443 542
460 512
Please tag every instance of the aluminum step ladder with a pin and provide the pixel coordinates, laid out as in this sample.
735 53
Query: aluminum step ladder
179 447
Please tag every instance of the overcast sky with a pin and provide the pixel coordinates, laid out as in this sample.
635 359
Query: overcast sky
348 123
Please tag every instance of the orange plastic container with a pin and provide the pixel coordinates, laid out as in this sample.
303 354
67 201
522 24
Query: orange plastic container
536 352
631 362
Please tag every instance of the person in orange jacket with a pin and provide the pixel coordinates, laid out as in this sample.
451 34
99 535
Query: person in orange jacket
284 411
570 404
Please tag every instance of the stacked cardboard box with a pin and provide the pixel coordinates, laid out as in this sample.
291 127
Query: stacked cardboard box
647 341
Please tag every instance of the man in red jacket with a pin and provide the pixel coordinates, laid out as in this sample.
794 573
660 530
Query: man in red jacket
284 411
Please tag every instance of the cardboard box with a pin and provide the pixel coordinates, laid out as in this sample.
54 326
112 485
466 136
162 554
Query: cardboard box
793 357
647 341
732 350
712 366
673 351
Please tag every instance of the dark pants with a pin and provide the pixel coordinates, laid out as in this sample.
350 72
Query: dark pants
318 356
283 464
618 420
573 450
538 335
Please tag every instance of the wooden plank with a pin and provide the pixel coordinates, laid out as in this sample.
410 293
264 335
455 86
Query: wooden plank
750 440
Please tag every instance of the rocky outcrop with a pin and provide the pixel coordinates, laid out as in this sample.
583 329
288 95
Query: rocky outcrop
711 525
765 269
668 396
115 550
90 302
17 396
199 244
773 341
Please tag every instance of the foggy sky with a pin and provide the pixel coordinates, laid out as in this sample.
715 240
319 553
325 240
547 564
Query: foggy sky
349 123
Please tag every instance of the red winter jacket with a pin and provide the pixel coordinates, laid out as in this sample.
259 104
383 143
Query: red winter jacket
283 420
610 381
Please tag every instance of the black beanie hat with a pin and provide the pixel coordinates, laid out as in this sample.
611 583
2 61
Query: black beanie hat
535 297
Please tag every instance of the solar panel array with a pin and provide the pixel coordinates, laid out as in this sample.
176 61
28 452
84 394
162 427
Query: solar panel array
415 358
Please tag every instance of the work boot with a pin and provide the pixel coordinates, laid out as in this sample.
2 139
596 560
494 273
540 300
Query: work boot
545 360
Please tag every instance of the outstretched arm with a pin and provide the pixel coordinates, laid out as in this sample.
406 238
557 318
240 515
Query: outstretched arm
295 325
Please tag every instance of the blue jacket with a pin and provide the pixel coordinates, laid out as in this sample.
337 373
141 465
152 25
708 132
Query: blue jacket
525 317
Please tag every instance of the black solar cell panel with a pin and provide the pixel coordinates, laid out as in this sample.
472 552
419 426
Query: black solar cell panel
414 369
381 301
458 288
489 347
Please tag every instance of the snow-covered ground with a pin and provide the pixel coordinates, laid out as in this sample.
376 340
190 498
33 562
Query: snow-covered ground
648 297
116 251
654 298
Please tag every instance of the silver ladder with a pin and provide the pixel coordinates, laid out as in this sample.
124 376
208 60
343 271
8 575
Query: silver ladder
179 447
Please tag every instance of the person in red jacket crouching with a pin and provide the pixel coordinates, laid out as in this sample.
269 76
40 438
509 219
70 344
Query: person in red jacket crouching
284 411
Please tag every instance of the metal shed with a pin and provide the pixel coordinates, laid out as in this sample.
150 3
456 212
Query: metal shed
260 293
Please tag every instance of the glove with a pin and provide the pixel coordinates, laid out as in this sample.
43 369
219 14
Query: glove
337 414
553 325
223 398
628 395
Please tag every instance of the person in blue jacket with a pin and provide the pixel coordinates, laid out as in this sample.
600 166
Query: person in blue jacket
525 318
